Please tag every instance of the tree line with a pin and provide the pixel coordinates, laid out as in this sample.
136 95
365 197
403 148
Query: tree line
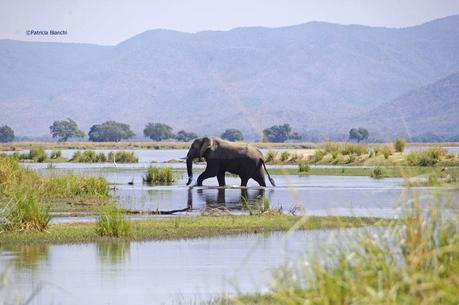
112 131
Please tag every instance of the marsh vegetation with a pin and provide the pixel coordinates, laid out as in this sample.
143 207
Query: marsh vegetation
413 260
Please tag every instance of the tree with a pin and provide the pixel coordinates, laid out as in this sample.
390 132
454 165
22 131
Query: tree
233 135
64 130
110 131
6 134
158 131
279 134
358 134
184 136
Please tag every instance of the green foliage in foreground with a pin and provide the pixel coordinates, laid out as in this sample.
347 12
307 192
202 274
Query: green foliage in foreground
185 227
160 175
414 260
112 222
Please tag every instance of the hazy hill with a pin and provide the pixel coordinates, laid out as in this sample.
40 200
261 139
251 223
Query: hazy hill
431 109
313 75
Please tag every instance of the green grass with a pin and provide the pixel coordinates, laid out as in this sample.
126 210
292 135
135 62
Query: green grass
18 180
112 222
377 173
412 260
25 213
37 154
184 227
91 156
160 175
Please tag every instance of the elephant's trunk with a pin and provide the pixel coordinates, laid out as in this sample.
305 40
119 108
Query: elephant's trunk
189 169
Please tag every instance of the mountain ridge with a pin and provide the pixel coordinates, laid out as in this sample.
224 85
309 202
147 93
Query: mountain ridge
316 75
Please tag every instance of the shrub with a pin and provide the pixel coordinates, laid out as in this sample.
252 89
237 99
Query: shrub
318 155
26 213
100 158
56 154
90 156
160 175
37 154
399 145
436 152
303 167
124 157
332 148
357 149
386 151
377 173
112 222
426 160
270 156
87 156
285 155
429 157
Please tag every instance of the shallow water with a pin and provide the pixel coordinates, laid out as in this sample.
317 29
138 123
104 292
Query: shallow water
155 272
313 195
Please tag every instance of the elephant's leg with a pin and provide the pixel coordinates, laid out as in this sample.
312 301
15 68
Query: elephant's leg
244 181
221 179
260 179
204 175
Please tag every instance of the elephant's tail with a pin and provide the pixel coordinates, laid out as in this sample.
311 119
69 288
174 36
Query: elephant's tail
266 170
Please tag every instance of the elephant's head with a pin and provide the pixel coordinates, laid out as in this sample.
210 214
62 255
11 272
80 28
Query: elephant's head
198 149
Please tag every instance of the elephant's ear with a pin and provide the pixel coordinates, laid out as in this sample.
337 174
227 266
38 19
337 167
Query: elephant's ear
207 143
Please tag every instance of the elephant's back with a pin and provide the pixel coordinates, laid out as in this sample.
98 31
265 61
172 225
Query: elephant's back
230 150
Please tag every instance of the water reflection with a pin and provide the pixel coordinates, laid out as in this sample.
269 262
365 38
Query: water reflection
113 252
230 199
26 256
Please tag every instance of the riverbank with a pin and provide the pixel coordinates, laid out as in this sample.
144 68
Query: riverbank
185 227
387 171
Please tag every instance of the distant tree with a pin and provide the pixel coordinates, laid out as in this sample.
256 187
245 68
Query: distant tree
6 134
66 129
233 135
279 134
158 131
184 136
358 134
110 131
295 136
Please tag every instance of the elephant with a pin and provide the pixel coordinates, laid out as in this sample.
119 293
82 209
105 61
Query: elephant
222 156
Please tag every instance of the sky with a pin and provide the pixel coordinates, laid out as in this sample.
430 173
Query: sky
109 22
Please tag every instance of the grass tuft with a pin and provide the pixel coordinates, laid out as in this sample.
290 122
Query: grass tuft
26 213
160 175
112 222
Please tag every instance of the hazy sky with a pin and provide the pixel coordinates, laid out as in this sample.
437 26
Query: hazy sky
110 21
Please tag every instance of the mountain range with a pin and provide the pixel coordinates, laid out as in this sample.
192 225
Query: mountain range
319 77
